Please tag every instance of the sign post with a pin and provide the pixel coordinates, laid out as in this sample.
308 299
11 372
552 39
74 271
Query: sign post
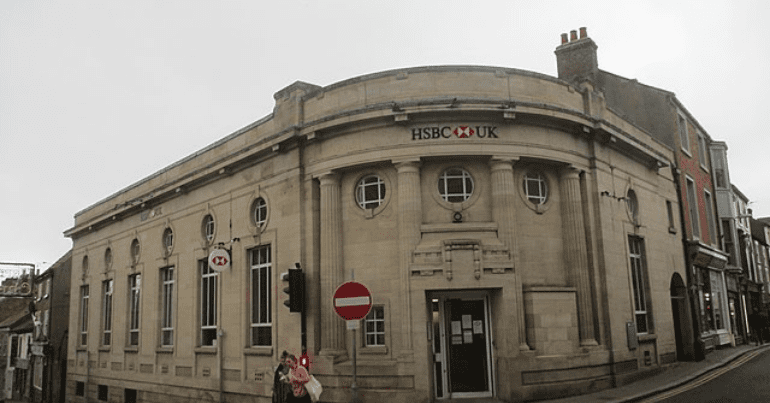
352 301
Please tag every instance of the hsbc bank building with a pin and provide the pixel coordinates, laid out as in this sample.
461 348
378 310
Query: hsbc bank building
511 228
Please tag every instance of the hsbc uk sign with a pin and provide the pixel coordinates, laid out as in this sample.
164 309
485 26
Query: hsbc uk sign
460 131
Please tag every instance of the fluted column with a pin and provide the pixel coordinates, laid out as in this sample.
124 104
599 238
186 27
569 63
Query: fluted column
503 202
576 252
332 327
409 222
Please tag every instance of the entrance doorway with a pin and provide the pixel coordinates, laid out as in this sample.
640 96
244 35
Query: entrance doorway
461 341
679 311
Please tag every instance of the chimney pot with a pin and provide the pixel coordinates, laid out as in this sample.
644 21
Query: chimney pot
572 35
564 39
583 33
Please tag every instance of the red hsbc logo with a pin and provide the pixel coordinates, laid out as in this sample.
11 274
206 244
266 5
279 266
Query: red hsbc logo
219 260
462 131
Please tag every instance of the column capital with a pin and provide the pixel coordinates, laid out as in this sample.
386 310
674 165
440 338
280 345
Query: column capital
502 162
407 164
328 178
570 172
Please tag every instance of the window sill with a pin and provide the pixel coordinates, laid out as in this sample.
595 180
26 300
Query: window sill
646 337
266 351
131 349
167 349
205 350
374 350
81 348
671 230
105 348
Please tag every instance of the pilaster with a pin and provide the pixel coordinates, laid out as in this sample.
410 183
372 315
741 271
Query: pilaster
332 328
575 251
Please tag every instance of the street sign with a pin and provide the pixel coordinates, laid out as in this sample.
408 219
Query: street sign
352 301
219 260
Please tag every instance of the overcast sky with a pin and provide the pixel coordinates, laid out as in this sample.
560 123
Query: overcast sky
96 95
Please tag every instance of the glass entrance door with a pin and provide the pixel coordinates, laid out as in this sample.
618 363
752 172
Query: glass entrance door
462 354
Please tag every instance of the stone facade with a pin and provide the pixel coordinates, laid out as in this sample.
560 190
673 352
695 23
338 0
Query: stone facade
495 214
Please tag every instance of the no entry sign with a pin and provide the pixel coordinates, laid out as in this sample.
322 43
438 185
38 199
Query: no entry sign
352 301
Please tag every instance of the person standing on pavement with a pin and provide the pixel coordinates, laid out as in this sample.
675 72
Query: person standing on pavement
280 389
297 378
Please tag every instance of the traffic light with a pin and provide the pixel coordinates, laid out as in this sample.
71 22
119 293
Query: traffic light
296 290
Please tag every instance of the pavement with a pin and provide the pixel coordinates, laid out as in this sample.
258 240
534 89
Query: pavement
670 377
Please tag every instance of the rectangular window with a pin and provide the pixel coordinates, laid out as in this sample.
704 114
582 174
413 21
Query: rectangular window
710 217
134 293
83 315
683 136
702 154
729 244
208 303
80 388
374 327
167 307
103 393
261 321
107 312
639 281
692 205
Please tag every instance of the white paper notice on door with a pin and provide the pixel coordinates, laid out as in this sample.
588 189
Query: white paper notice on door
467 337
478 327
456 327
457 339
466 321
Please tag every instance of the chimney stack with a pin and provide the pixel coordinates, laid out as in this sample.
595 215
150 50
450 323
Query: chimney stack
576 60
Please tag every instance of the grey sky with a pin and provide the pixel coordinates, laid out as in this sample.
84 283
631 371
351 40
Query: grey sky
96 95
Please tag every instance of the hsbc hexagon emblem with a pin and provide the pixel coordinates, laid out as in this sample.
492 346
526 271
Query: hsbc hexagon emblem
219 260
464 131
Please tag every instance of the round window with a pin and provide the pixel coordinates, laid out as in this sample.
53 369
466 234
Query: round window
207 228
536 188
370 192
455 185
259 212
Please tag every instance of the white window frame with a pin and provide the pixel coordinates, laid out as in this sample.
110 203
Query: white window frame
107 299
84 315
168 239
259 212
684 136
541 185
702 151
692 205
208 313
167 307
260 284
367 183
375 317
455 174
707 201
639 283
209 227
134 304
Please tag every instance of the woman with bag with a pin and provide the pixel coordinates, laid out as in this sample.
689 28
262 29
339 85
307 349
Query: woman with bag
297 378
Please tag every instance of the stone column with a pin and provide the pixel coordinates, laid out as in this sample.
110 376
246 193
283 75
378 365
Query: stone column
503 202
332 327
409 233
576 253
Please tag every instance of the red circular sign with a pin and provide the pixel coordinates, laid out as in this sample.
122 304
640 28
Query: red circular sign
352 301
